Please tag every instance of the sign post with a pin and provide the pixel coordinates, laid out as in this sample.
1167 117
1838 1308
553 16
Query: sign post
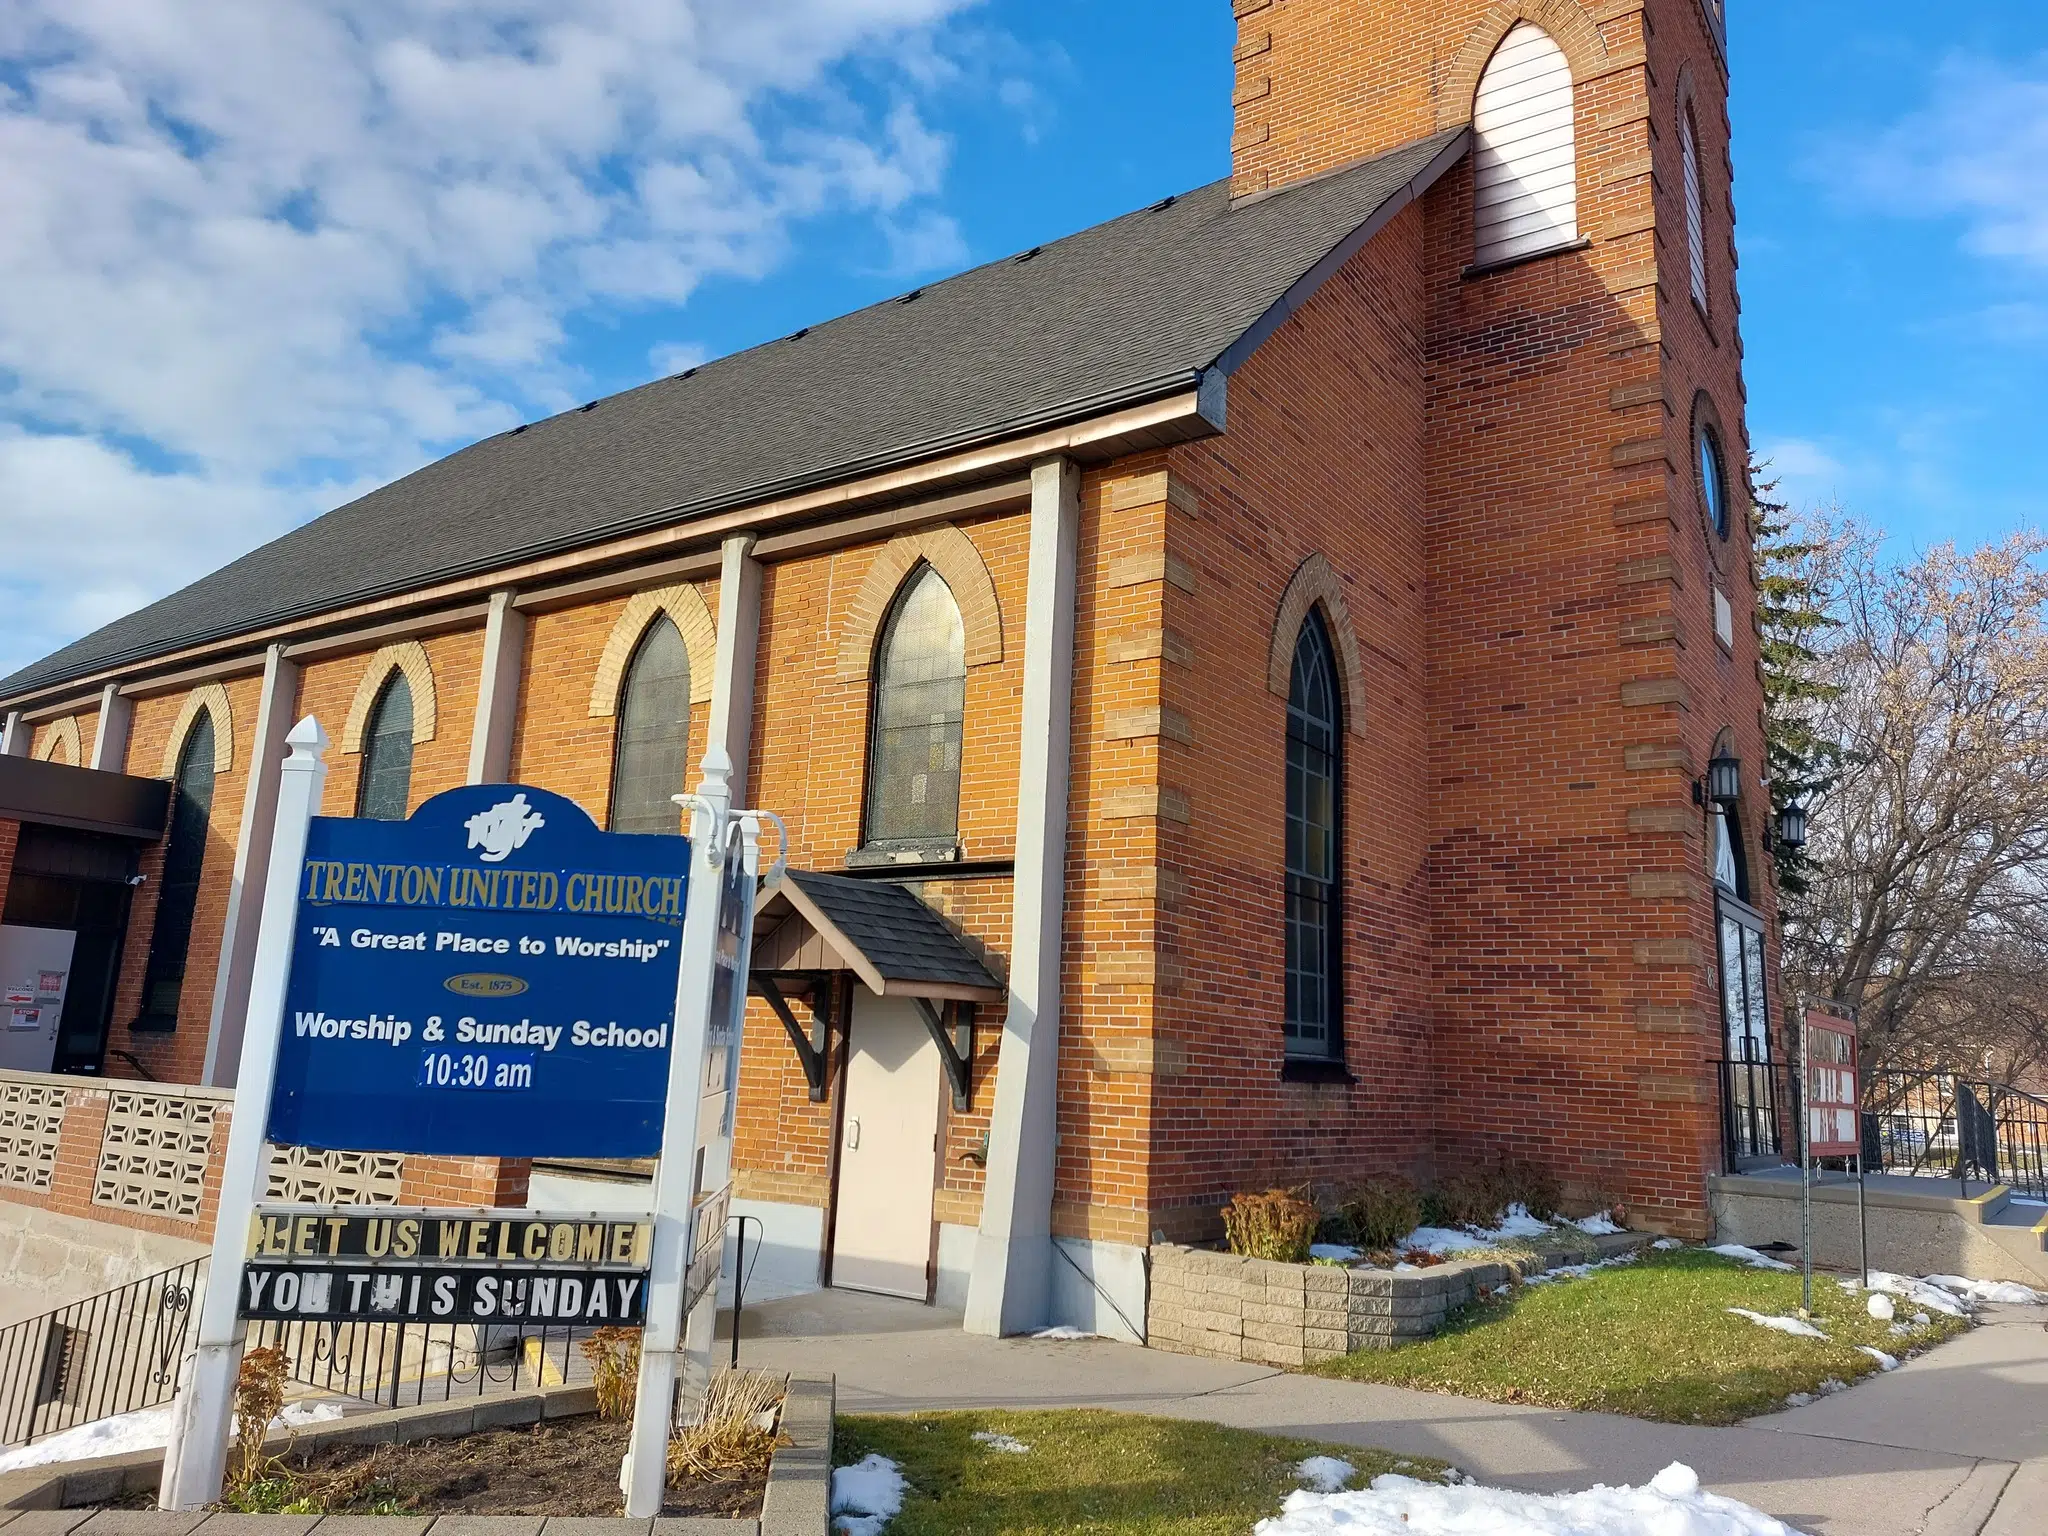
1831 1110
692 1182
196 1458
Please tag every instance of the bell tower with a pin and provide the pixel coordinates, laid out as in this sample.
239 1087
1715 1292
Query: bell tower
1591 605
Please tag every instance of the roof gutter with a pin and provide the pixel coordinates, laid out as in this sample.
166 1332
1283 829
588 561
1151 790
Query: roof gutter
1187 403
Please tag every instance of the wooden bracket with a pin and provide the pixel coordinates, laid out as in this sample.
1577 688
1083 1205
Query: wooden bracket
811 1049
956 1047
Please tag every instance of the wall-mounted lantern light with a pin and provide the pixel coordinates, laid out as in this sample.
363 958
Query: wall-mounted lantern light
1724 782
1792 825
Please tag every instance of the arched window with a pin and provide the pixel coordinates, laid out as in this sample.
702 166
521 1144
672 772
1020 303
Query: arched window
1314 788
178 883
1525 175
650 755
1695 206
386 786
916 719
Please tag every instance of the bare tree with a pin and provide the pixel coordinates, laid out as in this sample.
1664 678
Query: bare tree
1925 900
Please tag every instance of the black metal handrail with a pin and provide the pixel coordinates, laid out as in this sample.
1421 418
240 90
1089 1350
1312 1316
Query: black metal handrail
400 1365
1940 1125
110 1354
1759 1108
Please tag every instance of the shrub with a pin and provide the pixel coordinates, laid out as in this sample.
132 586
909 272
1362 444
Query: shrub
1380 1212
259 1397
614 1356
735 1434
1532 1186
1466 1199
1276 1225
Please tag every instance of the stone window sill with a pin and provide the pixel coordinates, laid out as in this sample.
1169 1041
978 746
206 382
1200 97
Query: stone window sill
1302 1069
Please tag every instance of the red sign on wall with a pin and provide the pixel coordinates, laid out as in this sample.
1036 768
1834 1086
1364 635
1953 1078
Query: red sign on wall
1833 1087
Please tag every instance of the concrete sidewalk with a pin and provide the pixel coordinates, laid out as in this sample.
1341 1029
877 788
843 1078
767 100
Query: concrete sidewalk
1833 1477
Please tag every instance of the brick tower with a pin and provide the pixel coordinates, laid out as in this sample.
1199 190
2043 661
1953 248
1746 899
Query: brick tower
1590 593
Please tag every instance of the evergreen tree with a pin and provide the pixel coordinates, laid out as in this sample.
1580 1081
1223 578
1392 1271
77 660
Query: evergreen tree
1792 612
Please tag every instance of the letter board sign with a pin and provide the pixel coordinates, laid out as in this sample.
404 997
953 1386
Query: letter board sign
1833 1087
388 1265
492 977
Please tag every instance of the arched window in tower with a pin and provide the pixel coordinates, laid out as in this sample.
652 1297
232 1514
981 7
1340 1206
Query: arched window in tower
386 785
650 756
1525 175
1314 787
1695 206
916 719
163 979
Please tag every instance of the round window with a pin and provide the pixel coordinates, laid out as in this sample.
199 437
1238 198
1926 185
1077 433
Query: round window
1713 481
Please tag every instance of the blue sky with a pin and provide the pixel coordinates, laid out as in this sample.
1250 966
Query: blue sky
262 255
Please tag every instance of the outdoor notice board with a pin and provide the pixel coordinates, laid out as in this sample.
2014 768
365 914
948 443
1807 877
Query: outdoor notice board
492 977
1833 1098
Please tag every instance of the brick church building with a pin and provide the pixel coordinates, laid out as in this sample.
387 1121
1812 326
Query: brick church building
1241 681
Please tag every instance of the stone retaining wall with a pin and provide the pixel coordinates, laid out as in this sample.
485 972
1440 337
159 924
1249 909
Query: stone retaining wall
1231 1308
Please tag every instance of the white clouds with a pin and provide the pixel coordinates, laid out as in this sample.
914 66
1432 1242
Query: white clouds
1977 149
253 245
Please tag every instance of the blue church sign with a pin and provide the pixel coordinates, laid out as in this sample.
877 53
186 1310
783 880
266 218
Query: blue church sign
493 977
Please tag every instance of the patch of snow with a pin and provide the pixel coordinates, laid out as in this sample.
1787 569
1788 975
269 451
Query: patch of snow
1518 1223
1343 1253
1325 1474
2004 1292
146 1429
1919 1292
867 1495
1884 1361
1064 1333
1798 1327
1921 1319
1880 1307
1599 1224
1666 1244
996 1440
1749 1256
1799 1400
1673 1504
1579 1271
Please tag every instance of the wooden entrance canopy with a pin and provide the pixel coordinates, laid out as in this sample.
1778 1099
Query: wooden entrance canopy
814 928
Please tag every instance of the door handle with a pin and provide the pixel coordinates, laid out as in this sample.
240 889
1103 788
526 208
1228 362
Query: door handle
853 1135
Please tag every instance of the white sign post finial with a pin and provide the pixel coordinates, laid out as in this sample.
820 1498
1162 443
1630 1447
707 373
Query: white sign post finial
196 1458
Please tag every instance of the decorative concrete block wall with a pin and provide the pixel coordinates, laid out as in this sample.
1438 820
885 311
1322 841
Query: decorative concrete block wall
1231 1308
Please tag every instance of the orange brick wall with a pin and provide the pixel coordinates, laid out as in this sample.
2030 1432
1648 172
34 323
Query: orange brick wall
179 1056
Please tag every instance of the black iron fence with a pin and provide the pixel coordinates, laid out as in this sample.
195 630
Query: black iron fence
399 1365
1936 1124
1759 1108
114 1353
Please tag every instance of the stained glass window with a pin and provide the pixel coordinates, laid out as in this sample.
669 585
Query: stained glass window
650 757
919 710
178 893
386 787
1314 739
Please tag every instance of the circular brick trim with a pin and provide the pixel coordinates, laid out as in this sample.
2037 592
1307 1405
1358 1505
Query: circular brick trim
1317 585
684 607
1565 20
947 550
409 657
60 743
213 699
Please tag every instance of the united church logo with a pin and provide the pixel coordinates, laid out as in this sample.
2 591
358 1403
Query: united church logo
503 828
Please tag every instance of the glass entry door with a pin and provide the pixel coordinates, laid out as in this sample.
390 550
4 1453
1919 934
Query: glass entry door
1749 1098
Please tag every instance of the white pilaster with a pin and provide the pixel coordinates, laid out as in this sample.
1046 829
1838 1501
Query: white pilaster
226 1022
197 1454
497 692
110 745
739 636
15 735
1010 1289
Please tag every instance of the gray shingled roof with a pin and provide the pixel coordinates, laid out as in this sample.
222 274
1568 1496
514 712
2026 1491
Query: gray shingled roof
901 937
1128 311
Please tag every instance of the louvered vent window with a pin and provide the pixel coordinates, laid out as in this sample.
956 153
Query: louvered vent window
1695 211
1524 165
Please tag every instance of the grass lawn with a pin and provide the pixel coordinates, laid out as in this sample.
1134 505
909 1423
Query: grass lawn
1091 1471
1653 1339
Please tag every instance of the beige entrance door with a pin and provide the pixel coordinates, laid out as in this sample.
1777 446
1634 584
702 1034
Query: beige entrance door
888 1152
